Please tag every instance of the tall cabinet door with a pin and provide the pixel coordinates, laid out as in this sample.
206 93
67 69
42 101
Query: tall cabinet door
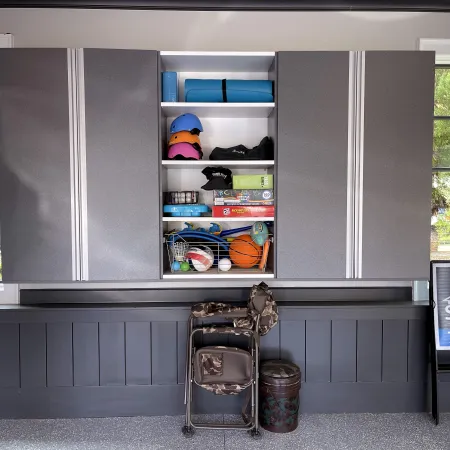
312 101
398 142
122 158
35 193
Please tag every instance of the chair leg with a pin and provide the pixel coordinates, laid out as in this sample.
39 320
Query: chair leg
188 349
253 385
189 382
256 387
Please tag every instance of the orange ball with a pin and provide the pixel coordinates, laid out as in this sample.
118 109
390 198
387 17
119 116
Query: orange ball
244 252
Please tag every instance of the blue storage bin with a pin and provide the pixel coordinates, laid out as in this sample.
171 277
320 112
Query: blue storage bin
232 91
169 87
186 210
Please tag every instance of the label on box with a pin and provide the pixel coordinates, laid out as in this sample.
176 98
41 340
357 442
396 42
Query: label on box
243 211
244 197
262 181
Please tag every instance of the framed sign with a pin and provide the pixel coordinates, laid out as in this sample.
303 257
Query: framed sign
440 292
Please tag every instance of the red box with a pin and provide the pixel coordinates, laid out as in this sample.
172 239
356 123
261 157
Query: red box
243 211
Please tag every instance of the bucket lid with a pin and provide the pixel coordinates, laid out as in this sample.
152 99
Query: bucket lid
280 372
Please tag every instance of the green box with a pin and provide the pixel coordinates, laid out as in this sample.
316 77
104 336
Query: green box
262 181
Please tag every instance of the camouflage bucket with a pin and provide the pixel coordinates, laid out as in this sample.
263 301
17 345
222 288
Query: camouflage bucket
279 396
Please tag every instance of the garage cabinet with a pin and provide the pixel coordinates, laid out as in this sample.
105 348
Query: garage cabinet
81 172
74 211
353 197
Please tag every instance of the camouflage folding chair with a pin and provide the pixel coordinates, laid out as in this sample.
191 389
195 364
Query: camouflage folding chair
225 370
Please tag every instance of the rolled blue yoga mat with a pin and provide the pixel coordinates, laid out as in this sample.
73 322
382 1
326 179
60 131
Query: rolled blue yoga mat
169 87
233 91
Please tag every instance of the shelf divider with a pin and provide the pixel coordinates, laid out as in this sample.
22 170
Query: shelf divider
218 110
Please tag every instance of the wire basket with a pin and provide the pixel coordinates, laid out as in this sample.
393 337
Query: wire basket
239 254
179 250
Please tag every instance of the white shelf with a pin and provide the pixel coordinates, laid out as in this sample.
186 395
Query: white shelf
188 164
218 219
217 61
218 110
214 273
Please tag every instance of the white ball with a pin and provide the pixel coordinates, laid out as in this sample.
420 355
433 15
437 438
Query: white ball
202 258
224 265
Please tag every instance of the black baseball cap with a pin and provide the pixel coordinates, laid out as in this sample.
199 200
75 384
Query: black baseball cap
218 178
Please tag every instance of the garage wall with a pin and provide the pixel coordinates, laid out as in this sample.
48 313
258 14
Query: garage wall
126 361
228 30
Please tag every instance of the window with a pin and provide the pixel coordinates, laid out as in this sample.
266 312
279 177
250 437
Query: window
440 201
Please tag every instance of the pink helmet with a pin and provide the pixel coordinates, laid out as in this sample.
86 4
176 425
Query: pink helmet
183 150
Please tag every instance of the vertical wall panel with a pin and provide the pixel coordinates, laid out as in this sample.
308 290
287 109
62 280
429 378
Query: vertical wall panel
112 353
33 357
395 350
270 344
137 352
181 350
9 355
417 351
318 350
59 354
369 350
85 354
164 353
292 342
343 350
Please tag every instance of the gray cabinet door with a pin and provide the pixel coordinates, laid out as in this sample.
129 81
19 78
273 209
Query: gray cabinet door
123 158
35 196
398 142
312 158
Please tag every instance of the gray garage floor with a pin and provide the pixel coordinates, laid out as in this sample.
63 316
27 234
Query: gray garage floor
315 432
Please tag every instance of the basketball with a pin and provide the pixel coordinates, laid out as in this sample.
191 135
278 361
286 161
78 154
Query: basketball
244 252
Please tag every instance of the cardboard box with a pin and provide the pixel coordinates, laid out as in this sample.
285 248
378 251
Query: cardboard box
243 211
262 181
243 197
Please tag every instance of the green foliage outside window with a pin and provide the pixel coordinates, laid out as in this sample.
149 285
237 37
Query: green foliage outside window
440 200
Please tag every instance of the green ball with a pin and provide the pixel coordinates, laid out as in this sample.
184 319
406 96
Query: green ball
185 266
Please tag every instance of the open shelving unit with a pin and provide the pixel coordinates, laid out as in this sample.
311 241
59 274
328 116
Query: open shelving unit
225 125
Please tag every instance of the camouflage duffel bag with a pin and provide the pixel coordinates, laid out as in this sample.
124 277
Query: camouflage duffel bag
223 370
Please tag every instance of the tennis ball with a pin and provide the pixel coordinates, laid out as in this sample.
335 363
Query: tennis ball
184 266
176 266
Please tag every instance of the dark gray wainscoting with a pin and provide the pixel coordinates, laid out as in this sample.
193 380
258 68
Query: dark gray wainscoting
129 360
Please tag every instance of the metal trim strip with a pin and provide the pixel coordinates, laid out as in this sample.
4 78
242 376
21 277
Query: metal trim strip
84 248
74 166
360 165
350 236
